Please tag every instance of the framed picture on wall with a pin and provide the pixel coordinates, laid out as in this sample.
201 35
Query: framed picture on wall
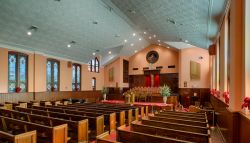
195 70
111 74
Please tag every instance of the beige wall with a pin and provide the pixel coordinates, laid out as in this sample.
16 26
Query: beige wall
167 57
87 78
4 70
38 74
118 73
193 54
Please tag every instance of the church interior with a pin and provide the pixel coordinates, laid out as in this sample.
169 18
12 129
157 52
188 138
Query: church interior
124 71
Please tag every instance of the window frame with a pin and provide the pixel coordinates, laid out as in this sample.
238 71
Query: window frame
52 74
76 65
17 70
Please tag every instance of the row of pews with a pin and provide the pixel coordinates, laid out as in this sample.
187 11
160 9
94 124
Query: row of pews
58 123
163 127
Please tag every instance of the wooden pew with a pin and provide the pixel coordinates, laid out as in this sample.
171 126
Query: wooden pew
127 136
202 115
166 132
109 117
45 134
176 126
96 124
78 130
182 117
120 114
179 121
27 137
107 107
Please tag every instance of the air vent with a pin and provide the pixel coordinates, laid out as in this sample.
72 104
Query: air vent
135 69
159 67
171 66
145 68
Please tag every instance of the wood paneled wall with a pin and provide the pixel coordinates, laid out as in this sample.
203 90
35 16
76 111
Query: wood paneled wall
203 94
234 126
49 96
171 79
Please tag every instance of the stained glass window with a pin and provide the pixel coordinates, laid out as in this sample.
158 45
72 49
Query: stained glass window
94 65
17 79
52 75
76 77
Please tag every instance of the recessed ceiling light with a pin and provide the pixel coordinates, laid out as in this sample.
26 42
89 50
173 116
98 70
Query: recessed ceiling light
29 33
94 54
159 44
68 45
139 39
125 40
149 37
132 44
110 52
186 41
31 30
168 47
159 40
135 51
134 34
154 35
145 32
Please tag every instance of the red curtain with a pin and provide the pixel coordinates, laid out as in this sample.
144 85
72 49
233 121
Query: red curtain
148 81
157 80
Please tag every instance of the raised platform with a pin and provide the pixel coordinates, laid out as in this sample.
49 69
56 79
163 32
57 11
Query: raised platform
152 105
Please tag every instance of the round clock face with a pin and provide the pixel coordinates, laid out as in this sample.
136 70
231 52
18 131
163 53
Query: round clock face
152 57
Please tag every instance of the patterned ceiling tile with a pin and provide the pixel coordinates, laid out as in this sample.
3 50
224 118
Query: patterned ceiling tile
191 17
72 20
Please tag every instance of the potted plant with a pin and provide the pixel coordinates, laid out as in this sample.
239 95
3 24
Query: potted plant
104 92
165 91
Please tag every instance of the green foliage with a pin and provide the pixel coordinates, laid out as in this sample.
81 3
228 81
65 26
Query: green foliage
165 90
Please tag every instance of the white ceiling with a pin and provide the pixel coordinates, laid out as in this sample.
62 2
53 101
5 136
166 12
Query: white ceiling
61 22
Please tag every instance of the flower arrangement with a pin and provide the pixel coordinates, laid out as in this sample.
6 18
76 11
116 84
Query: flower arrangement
246 103
105 90
165 90
212 91
226 96
18 89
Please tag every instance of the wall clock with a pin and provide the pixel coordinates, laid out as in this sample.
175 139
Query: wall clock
152 57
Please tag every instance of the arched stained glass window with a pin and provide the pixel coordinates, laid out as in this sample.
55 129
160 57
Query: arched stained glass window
94 65
17 74
52 75
76 77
